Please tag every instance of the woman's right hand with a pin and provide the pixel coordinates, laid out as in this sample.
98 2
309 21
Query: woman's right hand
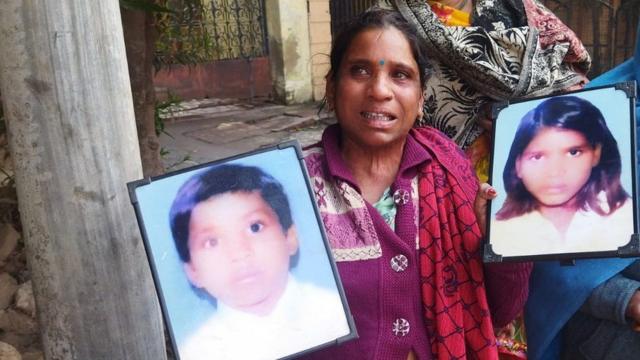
485 193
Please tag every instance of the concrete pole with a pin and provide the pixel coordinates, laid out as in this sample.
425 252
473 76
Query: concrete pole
67 101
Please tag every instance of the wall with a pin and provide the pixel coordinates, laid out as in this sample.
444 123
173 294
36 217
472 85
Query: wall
289 50
320 44
218 79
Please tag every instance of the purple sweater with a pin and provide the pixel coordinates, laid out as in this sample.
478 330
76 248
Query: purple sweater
379 267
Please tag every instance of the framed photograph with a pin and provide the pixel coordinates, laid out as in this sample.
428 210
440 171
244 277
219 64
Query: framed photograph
240 259
564 168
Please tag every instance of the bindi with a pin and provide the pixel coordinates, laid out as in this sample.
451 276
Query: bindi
381 62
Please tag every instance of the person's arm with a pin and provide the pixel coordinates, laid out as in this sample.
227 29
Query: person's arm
507 286
616 299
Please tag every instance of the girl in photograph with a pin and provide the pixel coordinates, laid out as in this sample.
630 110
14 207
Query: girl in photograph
562 180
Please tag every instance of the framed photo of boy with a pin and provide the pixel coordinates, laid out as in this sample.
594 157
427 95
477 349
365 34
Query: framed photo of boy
240 259
564 169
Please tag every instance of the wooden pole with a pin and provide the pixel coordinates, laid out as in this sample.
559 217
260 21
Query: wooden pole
70 121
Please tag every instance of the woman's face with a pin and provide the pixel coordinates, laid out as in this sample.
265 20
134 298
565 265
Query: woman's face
556 164
377 95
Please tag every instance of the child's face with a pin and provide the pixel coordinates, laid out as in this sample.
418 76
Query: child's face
556 164
239 251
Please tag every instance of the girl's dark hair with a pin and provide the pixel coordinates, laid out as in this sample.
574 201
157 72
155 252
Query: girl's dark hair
376 18
570 113
221 180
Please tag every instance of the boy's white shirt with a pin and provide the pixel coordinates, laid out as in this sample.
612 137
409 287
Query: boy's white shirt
533 234
305 316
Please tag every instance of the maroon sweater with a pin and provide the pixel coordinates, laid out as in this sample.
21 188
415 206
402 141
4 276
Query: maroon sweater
383 291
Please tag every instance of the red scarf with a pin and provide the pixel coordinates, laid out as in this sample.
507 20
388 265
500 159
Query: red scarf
453 294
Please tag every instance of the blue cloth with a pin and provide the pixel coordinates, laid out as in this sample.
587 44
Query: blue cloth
557 292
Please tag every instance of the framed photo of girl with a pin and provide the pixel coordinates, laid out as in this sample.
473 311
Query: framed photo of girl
564 169
240 259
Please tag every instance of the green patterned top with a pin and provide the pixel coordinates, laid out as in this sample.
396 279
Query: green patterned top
387 208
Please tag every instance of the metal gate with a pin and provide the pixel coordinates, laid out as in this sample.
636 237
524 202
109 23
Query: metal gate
213 48
216 30
239 29
607 28
344 10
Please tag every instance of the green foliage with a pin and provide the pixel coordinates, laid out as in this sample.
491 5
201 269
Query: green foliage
164 110
180 24
183 34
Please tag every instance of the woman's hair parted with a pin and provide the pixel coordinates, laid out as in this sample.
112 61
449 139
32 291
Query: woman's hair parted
568 113
377 18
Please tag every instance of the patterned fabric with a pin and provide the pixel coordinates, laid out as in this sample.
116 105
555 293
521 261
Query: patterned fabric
387 208
478 152
451 268
450 16
512 341
344 215
497 58
553 31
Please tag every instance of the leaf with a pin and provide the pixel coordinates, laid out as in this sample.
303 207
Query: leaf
144 6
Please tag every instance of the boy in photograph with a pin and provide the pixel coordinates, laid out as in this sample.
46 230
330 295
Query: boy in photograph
234 233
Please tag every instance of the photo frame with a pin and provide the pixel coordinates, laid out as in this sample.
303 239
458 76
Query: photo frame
228 266
564 169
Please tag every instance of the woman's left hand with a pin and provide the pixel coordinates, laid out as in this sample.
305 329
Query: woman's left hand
485 193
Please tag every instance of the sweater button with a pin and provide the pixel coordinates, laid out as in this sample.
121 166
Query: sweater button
400 327
401 197
399 263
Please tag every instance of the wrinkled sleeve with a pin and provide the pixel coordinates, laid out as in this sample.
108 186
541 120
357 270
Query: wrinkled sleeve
610 299
507 286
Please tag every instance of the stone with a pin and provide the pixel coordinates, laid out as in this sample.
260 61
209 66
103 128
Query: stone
24 300
33 355
17 322
8 240
21 342
8 287
8 352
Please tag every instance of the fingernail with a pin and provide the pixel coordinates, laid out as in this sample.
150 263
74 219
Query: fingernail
491 191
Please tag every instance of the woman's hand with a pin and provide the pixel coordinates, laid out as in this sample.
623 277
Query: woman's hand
485 193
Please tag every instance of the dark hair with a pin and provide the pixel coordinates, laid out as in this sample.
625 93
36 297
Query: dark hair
570 113
376 18
220 180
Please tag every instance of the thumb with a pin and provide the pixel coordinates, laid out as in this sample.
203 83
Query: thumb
485 193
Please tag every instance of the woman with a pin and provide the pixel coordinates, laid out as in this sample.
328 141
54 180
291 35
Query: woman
397 205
